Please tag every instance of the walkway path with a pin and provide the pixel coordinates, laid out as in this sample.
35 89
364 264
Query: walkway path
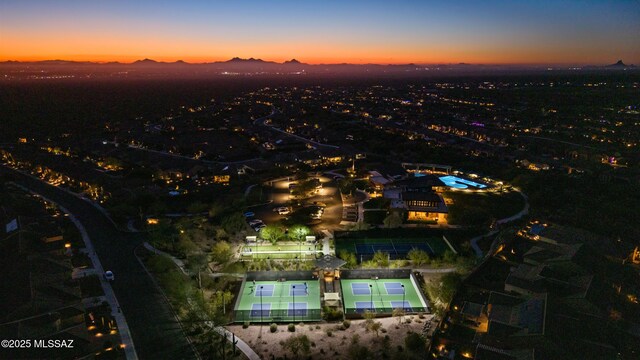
244 347
360 206
474 242
326 245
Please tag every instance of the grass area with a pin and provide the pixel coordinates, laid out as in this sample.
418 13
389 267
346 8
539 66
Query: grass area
375 217
284 251
90 286
277 301
258 195
482 208
268 247
234 267
279 256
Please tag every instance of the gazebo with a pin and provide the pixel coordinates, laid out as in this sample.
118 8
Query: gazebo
328 266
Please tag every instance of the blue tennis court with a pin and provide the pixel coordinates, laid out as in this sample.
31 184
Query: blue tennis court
264 290
298 290
297 309
394 288
260 310
362 306
406 306
360 289
394 249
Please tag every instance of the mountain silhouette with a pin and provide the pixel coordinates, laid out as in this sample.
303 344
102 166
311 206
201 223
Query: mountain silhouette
145 61
619 63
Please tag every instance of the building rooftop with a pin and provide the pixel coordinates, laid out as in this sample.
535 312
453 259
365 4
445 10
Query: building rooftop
517 316
428 181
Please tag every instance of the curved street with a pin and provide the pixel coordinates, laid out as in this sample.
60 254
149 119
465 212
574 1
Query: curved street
154 329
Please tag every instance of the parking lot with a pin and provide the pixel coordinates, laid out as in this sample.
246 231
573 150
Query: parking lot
322 210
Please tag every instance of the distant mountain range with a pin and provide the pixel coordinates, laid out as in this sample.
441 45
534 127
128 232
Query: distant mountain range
620 64
252 65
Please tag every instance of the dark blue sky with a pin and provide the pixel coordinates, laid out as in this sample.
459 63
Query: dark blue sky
542 32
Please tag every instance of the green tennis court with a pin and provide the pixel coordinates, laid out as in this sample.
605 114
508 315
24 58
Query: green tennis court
381 296
279 251
279 301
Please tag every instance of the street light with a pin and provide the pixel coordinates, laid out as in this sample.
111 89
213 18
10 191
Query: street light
403 295
261 306
294 303
371 301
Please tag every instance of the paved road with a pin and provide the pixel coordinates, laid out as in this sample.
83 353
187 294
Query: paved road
155 332
262 121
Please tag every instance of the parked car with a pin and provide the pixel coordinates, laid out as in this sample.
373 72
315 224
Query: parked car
255 222
108 275
249 214
284 210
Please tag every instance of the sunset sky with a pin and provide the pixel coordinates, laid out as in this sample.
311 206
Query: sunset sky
490 32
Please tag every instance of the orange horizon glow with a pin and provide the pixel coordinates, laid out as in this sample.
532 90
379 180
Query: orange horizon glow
312 60
112 49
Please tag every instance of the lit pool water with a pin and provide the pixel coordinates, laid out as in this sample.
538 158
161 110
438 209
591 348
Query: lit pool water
458 183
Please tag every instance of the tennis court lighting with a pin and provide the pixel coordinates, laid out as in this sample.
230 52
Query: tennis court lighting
261 306
371 292
403 296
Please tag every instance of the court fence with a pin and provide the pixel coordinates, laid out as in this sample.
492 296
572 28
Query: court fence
385 274
277 315
352 313
278 275
371 273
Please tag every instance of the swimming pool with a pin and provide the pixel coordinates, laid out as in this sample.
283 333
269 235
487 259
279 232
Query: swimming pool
458 183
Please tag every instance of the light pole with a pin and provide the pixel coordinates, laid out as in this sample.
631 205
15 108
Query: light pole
261 306
294 303
371 301
403 295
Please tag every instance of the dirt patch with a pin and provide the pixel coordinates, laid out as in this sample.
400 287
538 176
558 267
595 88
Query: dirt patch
335 347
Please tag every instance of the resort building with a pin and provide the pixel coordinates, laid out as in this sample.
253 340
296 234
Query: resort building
419 197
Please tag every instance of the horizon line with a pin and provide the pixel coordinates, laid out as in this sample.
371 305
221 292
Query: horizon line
178 60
